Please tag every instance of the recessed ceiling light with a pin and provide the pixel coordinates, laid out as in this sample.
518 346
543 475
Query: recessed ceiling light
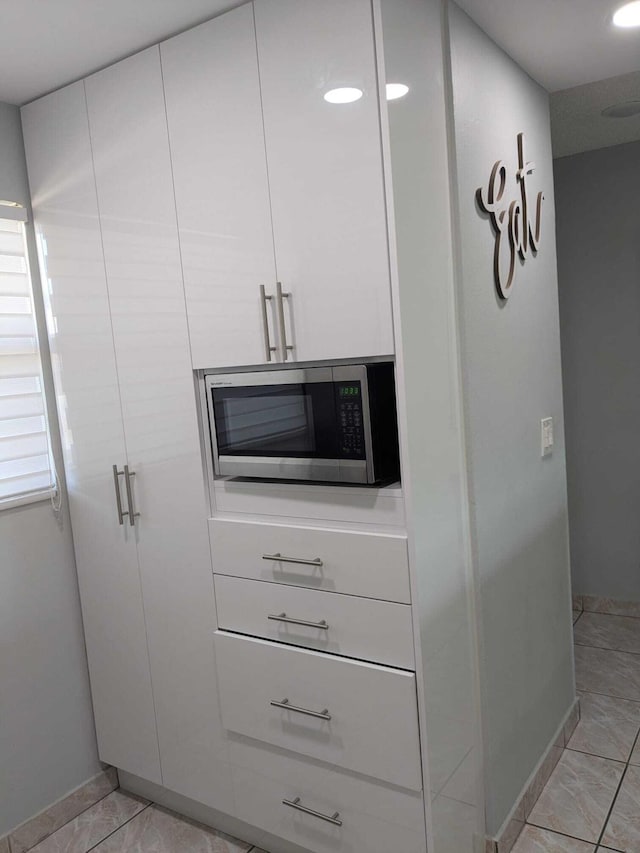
628 15
396 90
346 95
624 110
10 203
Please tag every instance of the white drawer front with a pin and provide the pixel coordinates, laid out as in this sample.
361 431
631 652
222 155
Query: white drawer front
364 716
374 565
348 625
375 818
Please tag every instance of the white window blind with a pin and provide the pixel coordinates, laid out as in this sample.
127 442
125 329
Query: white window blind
25 463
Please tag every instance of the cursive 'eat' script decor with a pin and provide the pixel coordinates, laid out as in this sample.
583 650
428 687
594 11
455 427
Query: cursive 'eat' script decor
516 223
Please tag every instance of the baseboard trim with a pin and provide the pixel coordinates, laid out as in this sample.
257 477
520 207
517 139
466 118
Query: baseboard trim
610 606
49 820
514 824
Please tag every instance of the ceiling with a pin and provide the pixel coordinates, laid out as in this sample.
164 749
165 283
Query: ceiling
45 44
577 123
565 45
560 43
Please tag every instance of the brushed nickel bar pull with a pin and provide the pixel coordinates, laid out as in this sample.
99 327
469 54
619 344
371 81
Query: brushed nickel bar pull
116 483
284 703
264 298
282 617
127 480
315 562
280 296
295 804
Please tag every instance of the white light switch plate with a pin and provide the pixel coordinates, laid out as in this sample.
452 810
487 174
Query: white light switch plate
546 436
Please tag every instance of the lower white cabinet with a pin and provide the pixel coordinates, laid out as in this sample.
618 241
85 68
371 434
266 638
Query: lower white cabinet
355 715
374 565
326 810
347 625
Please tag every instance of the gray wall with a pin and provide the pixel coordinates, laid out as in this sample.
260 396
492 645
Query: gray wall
512 379
47 740
598 232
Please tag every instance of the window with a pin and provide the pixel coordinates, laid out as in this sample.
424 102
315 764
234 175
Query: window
26 471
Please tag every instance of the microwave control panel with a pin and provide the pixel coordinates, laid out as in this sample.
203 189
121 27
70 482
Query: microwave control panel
351 429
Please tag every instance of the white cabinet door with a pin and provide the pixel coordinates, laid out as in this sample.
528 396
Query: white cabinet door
133 177
217 150
66 216
325 176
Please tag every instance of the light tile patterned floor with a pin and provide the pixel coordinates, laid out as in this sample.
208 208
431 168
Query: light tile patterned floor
592 800
124 823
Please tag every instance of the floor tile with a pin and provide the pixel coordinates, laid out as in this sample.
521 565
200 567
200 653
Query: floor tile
56 816
605 671
623 828
621 633
157 830
534 840
576 615
607 727
578 795
635 755
93 825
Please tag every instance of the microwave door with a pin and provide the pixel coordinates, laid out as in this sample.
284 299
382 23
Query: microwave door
280 430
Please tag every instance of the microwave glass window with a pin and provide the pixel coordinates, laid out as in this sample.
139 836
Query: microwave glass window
268 423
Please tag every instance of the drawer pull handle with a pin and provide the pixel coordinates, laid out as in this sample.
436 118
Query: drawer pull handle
282 617
284 703
315 562
296 804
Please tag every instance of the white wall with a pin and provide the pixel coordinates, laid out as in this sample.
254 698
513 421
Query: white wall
47 739
597 199
417 153
511 379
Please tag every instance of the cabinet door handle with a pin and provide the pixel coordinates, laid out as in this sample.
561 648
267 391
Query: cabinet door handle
282 617
296 804
127 481
284 703
116 483
264 298
315 562
280 297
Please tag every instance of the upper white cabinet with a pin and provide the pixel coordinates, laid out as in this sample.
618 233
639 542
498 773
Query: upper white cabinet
325 176
317 198
63 190
222 196
142 262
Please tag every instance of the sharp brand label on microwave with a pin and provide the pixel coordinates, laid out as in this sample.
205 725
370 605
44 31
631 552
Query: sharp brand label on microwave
516 223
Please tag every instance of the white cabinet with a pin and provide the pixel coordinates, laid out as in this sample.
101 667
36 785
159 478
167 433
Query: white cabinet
318 196
374 565
371 817
325 176
222 196
354 715
377 631
142 261
66 214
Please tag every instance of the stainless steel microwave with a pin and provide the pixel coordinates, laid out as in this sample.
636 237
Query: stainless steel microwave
331 423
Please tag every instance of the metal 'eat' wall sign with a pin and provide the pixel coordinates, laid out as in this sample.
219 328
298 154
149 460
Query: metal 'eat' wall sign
516 223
